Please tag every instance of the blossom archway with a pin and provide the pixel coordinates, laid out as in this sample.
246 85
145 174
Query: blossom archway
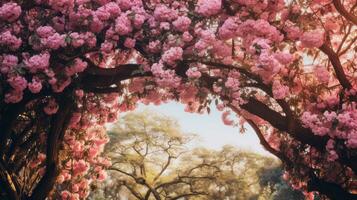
69 66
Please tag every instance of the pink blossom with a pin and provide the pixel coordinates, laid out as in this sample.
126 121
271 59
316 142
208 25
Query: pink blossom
187 37
259 45
78 66
123 25
9 40
129 43
279 91
322 74
51 107
163 13
97 25
113 9
221 50
10 11
312 39
137 85
193 73
107 47
208 7
225 118
61 5
138 20
228 29
266 67
284 58
77 39
293 32
45 31
54 41
38 62
35 86
80 167
165 26
14 96
154 46
232 83
8 63
17 82
182 23
312 121
65 195
172 55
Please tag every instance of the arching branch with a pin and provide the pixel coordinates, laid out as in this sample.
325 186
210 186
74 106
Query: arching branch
342 10
331 190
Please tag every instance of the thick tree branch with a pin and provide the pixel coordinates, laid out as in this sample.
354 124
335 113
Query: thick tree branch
135 193
341 9
337 66
280 122
331 190
58 127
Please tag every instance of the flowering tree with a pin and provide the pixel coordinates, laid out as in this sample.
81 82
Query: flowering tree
69 66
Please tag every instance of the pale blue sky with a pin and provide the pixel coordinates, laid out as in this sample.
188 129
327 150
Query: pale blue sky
209 127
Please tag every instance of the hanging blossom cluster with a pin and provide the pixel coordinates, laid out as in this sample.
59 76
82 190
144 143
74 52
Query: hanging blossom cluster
339 125
83 144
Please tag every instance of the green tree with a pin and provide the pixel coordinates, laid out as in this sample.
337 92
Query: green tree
152 161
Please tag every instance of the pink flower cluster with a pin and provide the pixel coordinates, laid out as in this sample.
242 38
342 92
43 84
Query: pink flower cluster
18 84
208 7
80 39
172 55
8 63
312 39
7 39
77 67
164 13
193 73
228 29
182 23
10 12
38 62
50 38
123 25
341 125
322 74
188 96
165 78
280 91
225 118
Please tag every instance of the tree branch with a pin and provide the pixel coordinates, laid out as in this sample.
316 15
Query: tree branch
341 9
331 190
337 66
58 127
188 194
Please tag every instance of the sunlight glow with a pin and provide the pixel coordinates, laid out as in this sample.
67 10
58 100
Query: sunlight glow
209 128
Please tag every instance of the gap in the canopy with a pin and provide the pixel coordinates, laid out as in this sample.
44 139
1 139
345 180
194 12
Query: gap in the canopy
211 132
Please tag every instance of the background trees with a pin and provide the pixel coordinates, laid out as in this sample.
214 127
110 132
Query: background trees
152 159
